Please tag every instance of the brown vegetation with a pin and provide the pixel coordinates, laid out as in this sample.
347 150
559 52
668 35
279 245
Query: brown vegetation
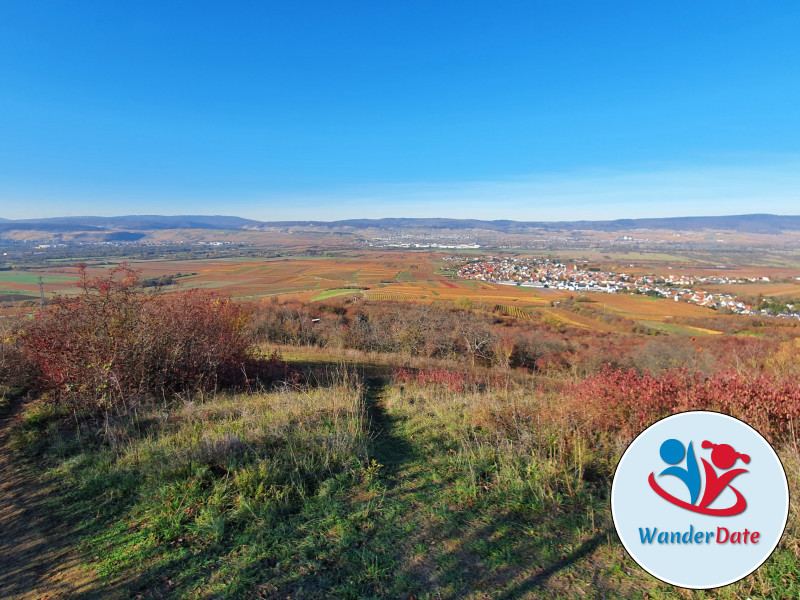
114 345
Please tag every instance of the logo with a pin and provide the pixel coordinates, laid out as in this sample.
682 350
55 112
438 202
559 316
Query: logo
723 457
699 500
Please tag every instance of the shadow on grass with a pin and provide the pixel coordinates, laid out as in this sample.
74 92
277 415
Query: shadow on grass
37 549
391 450
383 566
401 534
509 556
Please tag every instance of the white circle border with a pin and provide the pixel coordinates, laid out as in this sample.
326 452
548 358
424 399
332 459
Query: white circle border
786 491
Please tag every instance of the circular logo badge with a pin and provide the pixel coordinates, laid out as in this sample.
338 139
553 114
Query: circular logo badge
700 500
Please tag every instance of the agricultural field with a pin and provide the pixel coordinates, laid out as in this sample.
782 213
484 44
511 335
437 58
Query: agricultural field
646 307
27 282
425 277
776 289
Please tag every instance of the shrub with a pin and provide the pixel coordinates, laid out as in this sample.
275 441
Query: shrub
455 381
625 401
113 344
786 359
15 370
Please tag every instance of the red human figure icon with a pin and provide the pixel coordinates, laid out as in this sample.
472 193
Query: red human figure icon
724 457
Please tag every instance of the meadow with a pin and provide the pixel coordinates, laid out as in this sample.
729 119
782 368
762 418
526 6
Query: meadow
373 437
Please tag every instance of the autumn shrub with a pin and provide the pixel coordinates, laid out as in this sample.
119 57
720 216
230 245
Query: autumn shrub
743 352
15 370
626 401
114 345
674 352
786 359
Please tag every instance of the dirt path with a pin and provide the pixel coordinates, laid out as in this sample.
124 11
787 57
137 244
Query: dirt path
36 561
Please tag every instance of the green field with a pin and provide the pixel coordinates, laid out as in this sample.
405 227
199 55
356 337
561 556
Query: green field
404 276
4 291
674 328
333 293
30 278
205 285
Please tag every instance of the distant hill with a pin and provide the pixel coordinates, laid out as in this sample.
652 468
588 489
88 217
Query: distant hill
45 225
756 223
134 222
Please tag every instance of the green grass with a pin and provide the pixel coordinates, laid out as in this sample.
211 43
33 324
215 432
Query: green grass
29 277
751 333
332 491
333 293
86 259
217 496
674 328
355 488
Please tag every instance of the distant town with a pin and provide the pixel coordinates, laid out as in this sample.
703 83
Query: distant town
544 273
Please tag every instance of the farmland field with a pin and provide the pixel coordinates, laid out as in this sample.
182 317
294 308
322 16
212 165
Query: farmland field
414 276
646 307
327 294
29 278
791 290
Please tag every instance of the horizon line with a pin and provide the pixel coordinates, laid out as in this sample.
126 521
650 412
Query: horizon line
391 218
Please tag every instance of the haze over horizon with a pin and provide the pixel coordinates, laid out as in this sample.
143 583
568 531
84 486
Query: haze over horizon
526 111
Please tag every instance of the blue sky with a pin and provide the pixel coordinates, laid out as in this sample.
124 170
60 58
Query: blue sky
324 110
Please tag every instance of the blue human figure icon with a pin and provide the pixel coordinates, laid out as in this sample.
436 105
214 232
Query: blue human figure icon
672 453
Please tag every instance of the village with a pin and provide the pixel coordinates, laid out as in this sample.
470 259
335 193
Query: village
544 273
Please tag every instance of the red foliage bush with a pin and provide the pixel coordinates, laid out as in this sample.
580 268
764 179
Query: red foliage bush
14 368
114 344
453 380
625 401
456 381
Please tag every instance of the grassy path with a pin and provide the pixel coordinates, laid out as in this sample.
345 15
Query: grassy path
390 448
38 560
435 529
414 512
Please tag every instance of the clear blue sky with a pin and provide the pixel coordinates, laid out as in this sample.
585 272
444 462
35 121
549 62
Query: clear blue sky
300 110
